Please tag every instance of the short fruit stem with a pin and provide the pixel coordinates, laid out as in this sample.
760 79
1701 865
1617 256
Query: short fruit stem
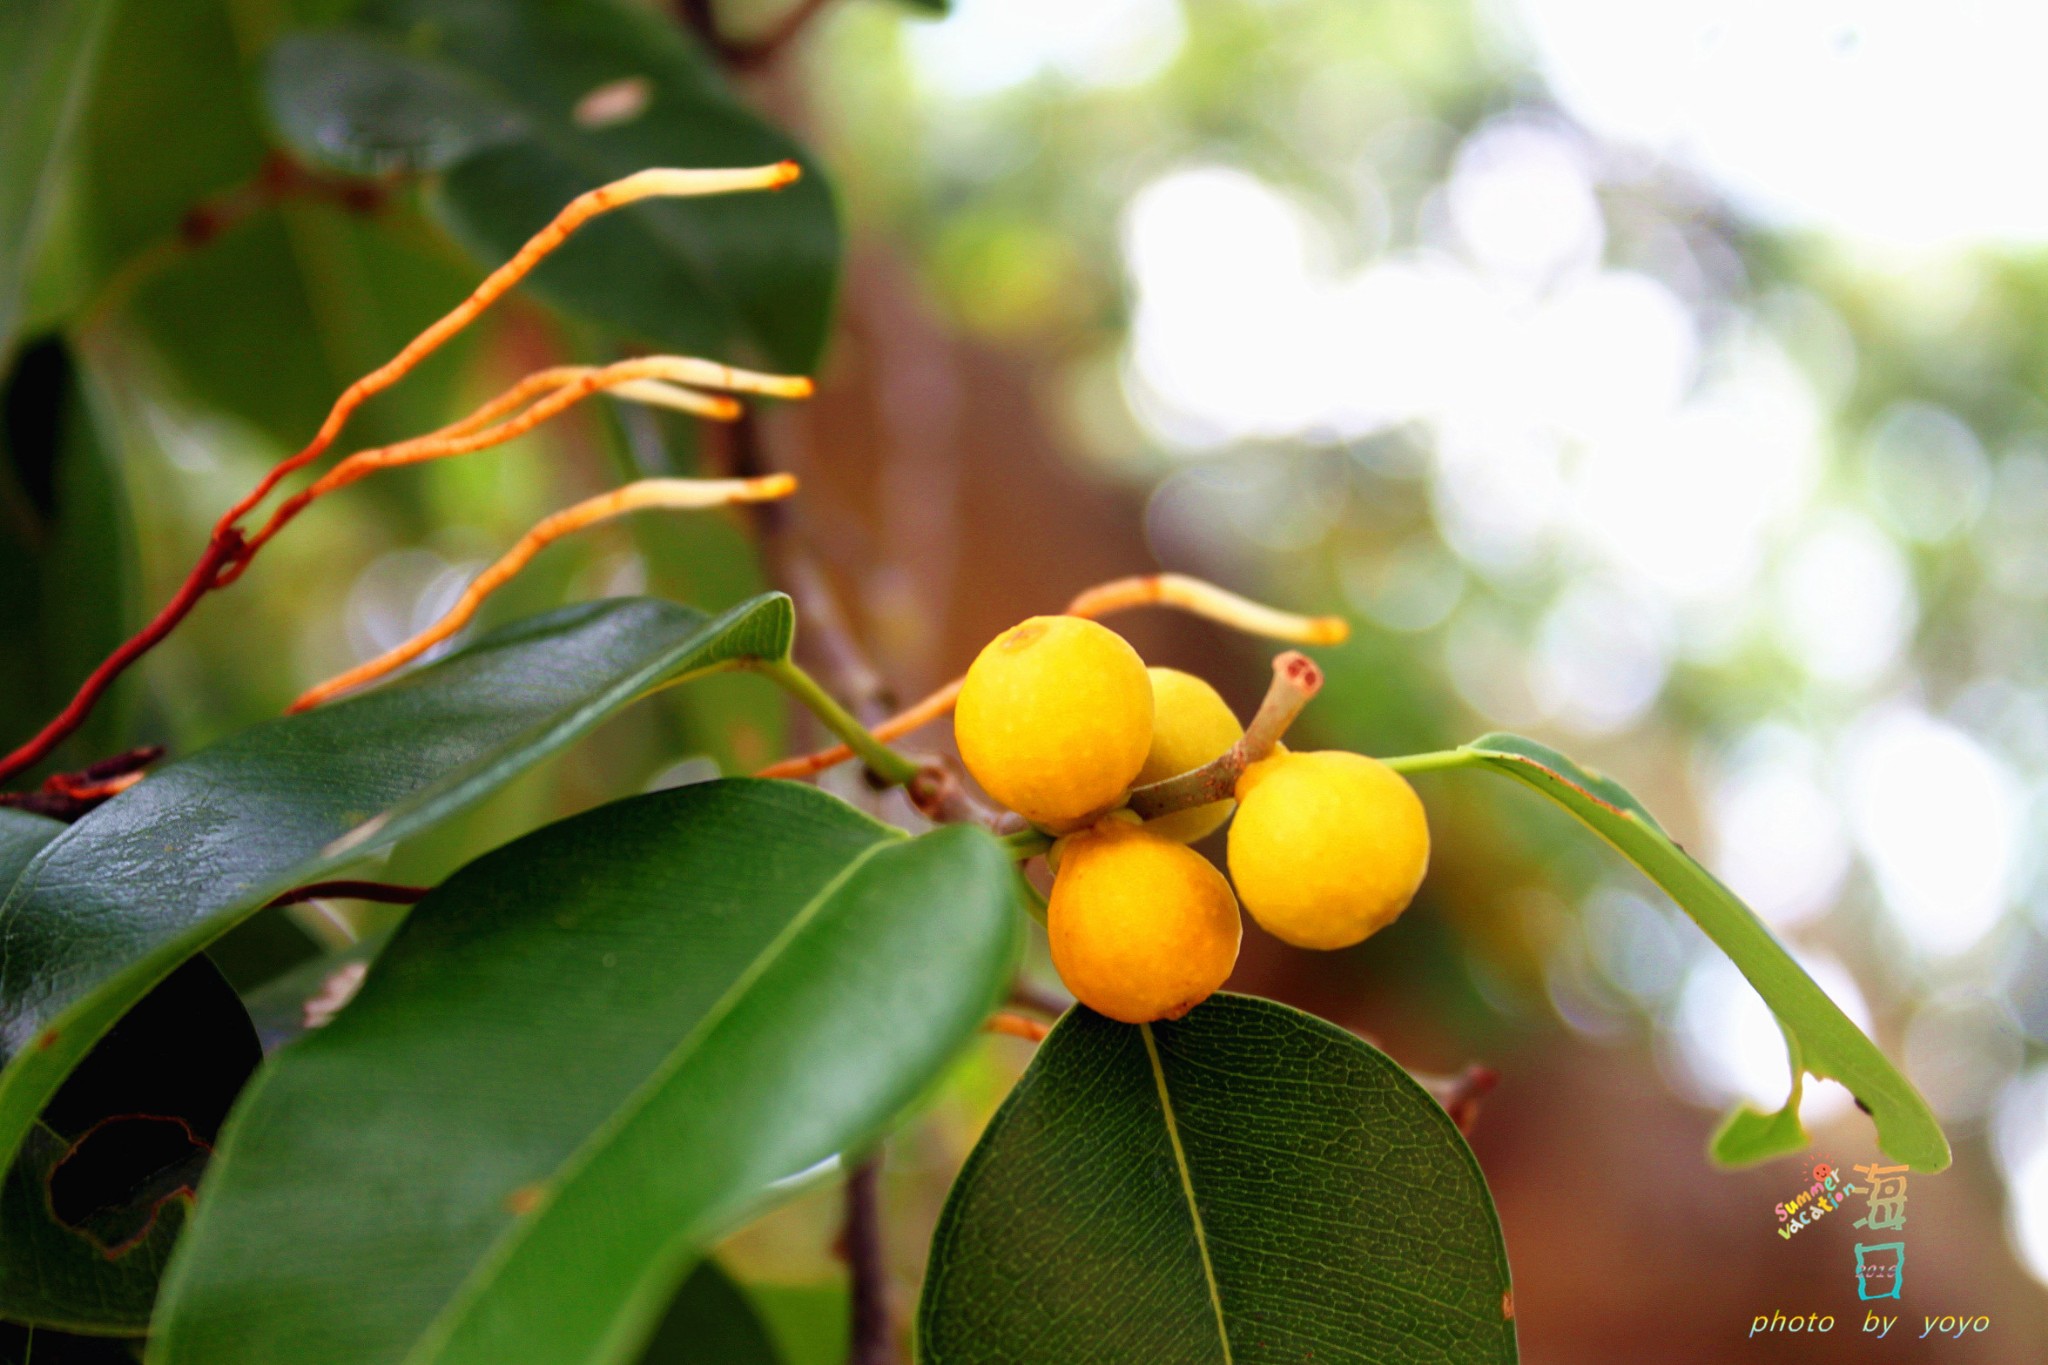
881 760
1296 680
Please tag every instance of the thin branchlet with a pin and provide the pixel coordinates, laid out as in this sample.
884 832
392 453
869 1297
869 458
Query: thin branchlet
1296 680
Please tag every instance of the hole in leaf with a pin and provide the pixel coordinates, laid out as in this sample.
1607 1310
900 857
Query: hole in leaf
116 1177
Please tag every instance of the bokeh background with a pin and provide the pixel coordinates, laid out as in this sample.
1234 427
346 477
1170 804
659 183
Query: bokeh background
1666 382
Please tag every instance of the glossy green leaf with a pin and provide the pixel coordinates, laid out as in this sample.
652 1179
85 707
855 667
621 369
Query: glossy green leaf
580 1060
810 1322
1249 1184
96 1198
269 313
47 48
107 908
67 549
523 105
22 836
1824 1040
711 1321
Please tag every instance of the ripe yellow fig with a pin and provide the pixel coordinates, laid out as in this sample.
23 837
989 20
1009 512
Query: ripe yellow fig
1054 718
1142 928
1327 848
1191 724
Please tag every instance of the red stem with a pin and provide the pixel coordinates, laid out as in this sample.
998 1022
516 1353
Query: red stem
871 1336
221 550
384 893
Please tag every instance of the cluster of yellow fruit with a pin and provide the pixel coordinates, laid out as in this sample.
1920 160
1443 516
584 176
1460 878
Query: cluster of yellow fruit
1059 719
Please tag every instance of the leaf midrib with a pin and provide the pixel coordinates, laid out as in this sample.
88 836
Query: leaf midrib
478 1282
1187 1189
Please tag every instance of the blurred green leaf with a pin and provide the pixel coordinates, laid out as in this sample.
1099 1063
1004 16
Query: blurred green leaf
714 988
711 1321
170 864
1247 1184
47 49
1748 1135
67 549
259 300
1824 1042
95 1200
528 104
808 1321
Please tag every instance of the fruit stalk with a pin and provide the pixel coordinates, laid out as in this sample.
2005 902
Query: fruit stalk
884 762
1296 680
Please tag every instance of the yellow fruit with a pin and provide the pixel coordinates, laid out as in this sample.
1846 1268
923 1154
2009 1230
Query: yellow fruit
1328 848
1142 928
1054 718
1191 724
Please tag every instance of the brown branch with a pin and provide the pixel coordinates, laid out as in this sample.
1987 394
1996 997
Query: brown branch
383 893
1024 995
872 1336
700 17
943 798
1460 1094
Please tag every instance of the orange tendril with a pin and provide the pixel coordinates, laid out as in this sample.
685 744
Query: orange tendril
1016 1026
228 551
552 392
1105 599
633 497
652 184
1206 599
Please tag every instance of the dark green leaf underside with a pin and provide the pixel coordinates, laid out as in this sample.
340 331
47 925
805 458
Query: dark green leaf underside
711 1321
1306 1189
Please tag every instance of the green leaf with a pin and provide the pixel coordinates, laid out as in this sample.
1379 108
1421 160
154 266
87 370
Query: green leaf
525 105
47 49
269 314
809 1322
580 1060
711 1322
67 548
170 864
94 1202
22 836
1248 1184
1824 1042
